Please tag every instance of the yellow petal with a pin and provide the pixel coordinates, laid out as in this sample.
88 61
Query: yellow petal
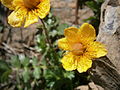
95 50
18 3
8 4
84 64
16 18
43 8
71 34
63 44
69 63
30 19
87 33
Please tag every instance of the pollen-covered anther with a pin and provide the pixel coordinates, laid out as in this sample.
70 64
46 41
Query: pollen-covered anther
78 49
31 3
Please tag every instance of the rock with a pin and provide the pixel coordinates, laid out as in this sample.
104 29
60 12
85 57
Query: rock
106 72
83 87
110 34
92 86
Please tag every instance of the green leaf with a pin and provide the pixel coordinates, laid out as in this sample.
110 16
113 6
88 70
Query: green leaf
90 18
93 5
4 66
53 33
49 21
25 61
69 75
15 62
63 84
4 77
34 61
5 71
37 72
26 75
61 28
41 43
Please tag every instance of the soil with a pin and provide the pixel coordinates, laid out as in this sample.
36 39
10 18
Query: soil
65 10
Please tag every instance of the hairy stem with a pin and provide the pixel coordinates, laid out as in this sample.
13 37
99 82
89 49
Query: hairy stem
48 40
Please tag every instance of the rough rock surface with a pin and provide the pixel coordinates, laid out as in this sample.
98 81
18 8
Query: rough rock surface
107 69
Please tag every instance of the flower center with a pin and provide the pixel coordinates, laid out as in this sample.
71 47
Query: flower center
78 49
31 3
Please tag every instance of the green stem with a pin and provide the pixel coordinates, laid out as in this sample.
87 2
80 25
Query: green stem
48 40
46 33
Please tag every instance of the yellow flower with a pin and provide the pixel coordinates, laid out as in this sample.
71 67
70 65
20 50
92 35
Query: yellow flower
26 12
80 47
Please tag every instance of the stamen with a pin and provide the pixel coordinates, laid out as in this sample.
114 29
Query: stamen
78 49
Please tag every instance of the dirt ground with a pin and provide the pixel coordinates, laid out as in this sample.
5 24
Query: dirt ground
65 10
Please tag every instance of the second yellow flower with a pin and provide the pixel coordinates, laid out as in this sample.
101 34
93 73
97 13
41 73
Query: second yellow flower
81 48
